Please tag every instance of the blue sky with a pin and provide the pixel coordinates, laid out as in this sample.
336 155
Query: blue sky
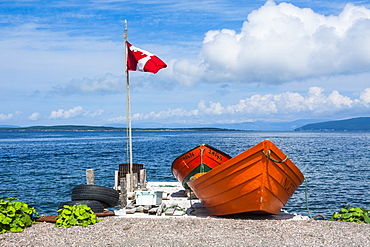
228 61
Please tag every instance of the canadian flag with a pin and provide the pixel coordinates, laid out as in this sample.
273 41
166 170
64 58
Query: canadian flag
141 60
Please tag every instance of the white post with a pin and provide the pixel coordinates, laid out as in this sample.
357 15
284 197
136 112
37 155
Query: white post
129 182
90 176
123 194
115 180
134 181
143 179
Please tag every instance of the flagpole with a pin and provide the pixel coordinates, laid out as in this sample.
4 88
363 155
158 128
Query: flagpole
128 103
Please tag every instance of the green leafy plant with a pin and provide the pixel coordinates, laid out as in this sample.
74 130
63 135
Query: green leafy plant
15 216
75 215
351 214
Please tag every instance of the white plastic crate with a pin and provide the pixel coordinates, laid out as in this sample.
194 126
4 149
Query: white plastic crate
148 197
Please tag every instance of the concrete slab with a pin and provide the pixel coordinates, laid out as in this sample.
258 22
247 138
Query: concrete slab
186 207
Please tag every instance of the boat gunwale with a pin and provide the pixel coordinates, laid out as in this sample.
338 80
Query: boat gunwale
206 145
289 166
225 165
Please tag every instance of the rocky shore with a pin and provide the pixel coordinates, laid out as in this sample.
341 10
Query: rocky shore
117 231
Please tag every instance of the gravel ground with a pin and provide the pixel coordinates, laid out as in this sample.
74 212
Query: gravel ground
115 231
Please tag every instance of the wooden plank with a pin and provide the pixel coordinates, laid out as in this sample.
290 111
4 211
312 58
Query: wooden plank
140 209
147 208
104 214
52 219
153 211
165 196
179 213
160 209
131 211
130 206
170 211
123 194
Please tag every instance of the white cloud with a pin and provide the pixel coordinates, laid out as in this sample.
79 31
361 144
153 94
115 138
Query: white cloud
183 71
276 107
315 102
71 113
47 56
95 113
170 113
107 84
280 43
76 111
119 119
276 44
338 100
365 97
4 117
34 116
214 108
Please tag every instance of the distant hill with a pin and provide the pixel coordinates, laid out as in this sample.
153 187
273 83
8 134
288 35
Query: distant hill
249 126
100 128
353 124
9 126
59 128
269 126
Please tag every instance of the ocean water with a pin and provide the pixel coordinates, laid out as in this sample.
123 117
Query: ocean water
41 168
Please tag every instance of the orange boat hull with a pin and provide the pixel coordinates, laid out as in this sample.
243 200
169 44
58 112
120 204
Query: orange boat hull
202 158
260 180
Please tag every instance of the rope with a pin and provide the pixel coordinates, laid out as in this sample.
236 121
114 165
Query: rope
191 204
177 207
306 182
306 195
319 215
202 148
277 161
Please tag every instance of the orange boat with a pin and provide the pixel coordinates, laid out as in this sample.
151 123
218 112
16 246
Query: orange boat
260 180
202 158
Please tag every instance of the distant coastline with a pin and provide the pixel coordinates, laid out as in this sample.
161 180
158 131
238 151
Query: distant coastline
360 124
102 128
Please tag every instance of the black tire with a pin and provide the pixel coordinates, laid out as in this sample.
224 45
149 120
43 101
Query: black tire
96 206
94 192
